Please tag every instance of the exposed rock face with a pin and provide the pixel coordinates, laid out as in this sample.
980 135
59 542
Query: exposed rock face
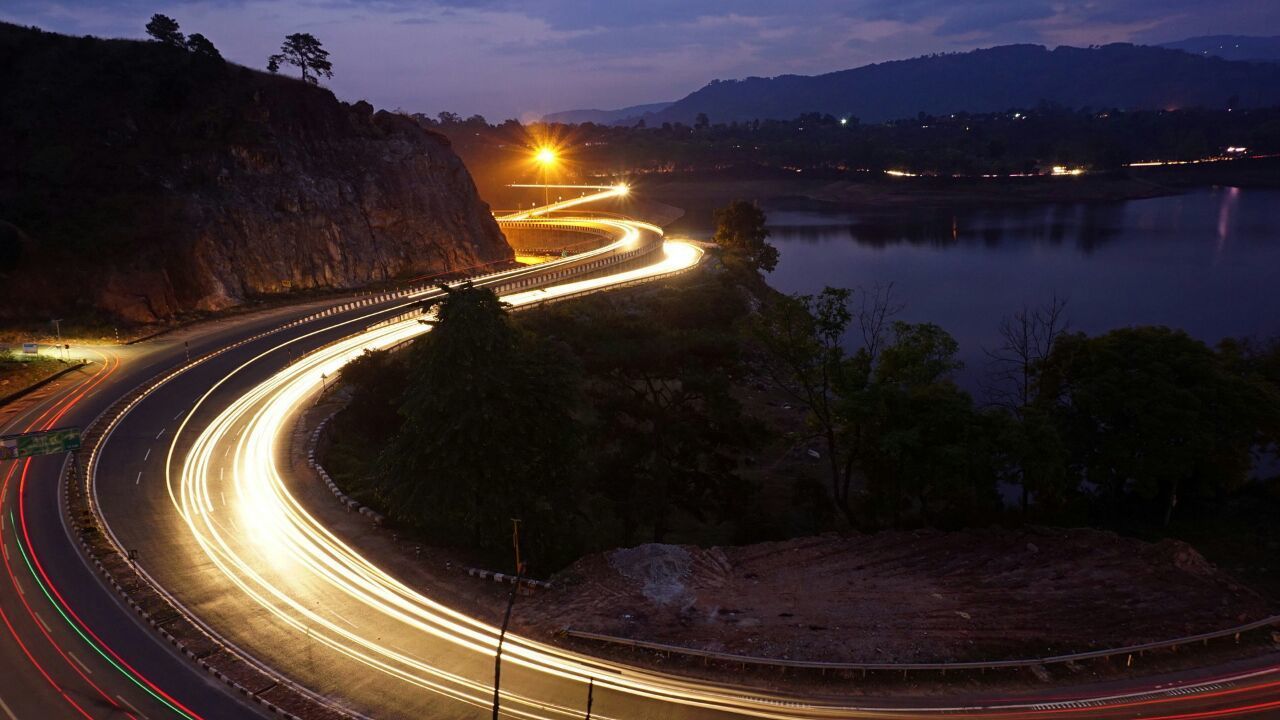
145 183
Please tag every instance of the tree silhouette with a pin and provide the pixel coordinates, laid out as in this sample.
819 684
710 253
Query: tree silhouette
202 47
165 29
303 51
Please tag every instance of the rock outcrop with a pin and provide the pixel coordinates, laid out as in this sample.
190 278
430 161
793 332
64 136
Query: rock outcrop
141 182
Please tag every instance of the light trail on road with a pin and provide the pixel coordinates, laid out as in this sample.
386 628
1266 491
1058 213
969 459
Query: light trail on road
279 557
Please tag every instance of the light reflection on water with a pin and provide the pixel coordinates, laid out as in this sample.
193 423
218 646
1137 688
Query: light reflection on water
1208 262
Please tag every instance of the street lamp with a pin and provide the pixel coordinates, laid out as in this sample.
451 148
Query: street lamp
546 157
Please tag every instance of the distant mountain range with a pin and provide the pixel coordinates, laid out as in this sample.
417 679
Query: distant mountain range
988 80
622 116
1231 47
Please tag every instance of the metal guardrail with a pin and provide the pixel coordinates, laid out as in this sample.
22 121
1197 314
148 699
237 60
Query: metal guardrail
731 658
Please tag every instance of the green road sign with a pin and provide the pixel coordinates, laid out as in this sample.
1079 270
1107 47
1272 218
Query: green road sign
50 442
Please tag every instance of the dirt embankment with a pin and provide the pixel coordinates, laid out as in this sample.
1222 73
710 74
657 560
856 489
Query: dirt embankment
900 596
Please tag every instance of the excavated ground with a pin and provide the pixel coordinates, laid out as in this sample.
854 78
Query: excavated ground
900 596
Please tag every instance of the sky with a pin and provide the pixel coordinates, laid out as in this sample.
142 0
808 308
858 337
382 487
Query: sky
509 59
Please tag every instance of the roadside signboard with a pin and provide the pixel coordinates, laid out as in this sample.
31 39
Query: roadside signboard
30 348
50 442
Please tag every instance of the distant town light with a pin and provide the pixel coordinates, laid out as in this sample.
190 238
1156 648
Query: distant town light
1234 149
844 121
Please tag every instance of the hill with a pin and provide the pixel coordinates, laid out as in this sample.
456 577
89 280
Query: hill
1112 76
622 116
139 182
1231 47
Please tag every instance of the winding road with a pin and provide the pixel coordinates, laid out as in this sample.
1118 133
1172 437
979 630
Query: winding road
195 482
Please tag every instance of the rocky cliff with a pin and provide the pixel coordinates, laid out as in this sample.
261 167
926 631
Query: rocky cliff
141 182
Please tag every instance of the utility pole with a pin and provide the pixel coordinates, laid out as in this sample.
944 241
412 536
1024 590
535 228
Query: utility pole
506 619
57 328
591 691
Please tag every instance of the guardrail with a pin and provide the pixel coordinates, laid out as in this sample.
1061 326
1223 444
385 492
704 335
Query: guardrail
1129 651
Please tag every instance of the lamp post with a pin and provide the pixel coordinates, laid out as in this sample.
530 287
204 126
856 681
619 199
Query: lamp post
546 157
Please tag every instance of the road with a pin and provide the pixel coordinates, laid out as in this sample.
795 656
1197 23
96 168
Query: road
192 479
70 647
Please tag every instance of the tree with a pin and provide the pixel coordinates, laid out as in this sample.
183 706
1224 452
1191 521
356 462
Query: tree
701 122
801 336
1153 417
487 434
741 231
202 47
303 51
1036 455
665 425
165 30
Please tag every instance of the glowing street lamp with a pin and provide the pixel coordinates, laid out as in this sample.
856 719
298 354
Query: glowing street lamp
546 157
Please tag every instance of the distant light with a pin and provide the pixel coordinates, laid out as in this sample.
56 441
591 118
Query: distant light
546 156
1236 149
621 189
844 121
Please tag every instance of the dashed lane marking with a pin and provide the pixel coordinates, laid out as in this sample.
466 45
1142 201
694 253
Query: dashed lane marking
131 707
144 457
138 480
160 433
80 663
8 713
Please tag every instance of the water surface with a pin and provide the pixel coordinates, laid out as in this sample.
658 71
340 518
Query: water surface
1208 262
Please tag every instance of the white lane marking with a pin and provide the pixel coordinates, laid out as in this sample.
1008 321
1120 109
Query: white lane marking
78 662
175 417
343 619
1 522
225 452
138 480
42 622
224 498
7 711
144 457
220 470
160 433
131 707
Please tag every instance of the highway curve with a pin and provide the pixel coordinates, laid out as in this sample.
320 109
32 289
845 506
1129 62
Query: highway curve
191 480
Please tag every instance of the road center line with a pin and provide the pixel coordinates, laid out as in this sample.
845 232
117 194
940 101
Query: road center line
42 622
8 713
131 707
160 433
144 457
79 662
138 480
175 417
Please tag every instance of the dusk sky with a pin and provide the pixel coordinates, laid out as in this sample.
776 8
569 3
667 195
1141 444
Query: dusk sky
503 58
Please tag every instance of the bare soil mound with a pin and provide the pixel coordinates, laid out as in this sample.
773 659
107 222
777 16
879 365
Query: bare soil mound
900 596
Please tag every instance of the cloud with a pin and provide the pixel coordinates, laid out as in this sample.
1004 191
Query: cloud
507 58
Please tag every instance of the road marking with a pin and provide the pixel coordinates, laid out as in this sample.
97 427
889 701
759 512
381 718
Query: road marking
225 452
160 433
42 622
78 662
138 480
224 498
131 707
7 711
144 457
220 473
175 417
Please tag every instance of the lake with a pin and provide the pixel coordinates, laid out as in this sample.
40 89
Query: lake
1208 262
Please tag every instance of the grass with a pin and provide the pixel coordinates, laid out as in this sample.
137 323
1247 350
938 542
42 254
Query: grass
17 372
